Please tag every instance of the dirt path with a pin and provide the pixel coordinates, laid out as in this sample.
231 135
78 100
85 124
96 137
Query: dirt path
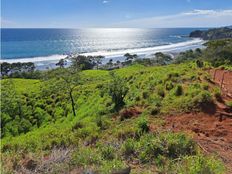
212 131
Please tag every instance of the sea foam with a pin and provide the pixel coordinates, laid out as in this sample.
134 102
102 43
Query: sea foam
177 47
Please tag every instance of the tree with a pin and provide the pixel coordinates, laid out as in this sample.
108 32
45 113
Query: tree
162 59
63 81
61 63
218 52
97 60
110 63
82 62
16 69
117 91
5 68
130 58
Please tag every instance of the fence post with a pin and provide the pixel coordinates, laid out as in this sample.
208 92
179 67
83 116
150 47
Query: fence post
214 74
222 79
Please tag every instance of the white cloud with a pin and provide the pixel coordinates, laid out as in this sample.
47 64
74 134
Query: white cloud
195 18
210 12
105 2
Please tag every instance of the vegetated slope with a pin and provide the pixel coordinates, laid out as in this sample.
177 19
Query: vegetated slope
213 34
42 135
212 130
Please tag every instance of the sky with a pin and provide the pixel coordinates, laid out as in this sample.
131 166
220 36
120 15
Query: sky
115 13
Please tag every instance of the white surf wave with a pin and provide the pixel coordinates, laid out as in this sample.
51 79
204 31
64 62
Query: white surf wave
54 57
110 54
150 50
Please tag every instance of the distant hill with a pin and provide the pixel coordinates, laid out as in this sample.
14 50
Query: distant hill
213 34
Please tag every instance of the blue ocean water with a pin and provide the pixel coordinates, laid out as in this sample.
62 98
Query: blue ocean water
48 43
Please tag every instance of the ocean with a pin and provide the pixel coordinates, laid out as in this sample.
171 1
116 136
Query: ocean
44 46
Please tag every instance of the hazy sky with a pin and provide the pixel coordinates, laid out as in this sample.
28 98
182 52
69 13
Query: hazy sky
115 13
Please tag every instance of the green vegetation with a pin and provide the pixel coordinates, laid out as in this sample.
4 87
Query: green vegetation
213 34
106 119
219 52
41 117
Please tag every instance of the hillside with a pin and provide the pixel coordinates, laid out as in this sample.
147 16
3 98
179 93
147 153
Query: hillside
40 133
213 34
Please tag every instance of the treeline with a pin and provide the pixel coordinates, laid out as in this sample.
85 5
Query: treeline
27 70
19 70
217 53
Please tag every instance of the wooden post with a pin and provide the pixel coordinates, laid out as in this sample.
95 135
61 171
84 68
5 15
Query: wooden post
214 74
222 79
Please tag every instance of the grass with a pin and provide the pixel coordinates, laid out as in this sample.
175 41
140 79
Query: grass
100 141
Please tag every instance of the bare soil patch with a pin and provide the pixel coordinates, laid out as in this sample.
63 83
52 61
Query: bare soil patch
211 130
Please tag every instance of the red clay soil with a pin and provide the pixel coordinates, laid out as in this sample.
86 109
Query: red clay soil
211 134
211 130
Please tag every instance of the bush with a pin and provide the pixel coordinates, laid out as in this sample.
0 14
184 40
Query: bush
200 164
143 125
108 152
178 90
127 132
169 85
128 147
178 145
145 95
217 94
229 103
202 99
117 91
170 145
160 91
154 110
85 156
111 166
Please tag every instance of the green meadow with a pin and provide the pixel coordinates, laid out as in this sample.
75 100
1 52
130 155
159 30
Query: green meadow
37 119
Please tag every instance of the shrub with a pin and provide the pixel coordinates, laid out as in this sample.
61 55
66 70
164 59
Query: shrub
149 148
160 91
117 91
111 166
108 152
200 164
128 147
102 122
205 86
85 156
229 103
169 145
202 99
169 85
217 94
145 95
178 145
143 125
127 132
178 90
155 110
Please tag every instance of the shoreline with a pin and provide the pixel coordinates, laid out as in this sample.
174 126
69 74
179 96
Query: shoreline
48 62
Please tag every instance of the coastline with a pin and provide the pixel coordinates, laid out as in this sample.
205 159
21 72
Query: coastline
48 62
